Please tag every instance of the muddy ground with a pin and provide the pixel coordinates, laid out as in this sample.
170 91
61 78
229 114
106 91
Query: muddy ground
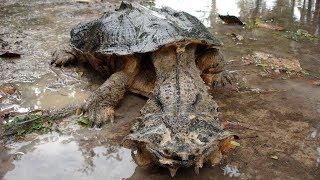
274 111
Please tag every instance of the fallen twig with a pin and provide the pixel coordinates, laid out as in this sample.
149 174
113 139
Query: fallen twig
9 54
239 125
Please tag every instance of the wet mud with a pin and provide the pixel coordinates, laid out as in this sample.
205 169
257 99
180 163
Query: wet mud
276 116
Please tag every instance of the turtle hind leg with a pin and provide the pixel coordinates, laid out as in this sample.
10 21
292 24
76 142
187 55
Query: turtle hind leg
63 57
211 63
219 80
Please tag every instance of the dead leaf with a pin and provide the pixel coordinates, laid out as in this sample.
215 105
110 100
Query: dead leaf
228 144
231 20
9 54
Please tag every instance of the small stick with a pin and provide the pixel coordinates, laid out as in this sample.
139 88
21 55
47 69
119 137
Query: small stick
239 125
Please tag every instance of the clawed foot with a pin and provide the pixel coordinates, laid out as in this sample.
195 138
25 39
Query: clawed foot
62 58
100 115
224 78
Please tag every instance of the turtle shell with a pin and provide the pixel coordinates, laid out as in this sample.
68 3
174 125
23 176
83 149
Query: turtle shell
134 28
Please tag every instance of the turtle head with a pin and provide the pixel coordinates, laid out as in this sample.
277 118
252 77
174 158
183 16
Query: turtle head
175 141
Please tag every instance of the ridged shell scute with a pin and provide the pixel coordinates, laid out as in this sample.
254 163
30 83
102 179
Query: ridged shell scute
137 29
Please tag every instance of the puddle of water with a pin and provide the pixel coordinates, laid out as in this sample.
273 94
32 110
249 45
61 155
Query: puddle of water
43 94
53 156
46 93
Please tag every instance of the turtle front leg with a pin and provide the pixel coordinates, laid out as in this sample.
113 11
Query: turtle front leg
101 103
211 63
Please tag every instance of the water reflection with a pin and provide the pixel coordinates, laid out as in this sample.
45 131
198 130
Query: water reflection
292 14
46 93
54 156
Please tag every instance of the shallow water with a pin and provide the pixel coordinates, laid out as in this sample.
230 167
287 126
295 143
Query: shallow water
287 109
54 156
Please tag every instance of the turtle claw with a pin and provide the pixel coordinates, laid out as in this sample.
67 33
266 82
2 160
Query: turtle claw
101 115
223 79
62 58
141 158
196 170
173 171
198 165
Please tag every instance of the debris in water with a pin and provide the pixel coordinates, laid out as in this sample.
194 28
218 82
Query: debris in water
238 37
272 64
269 26
300 34
9 54
25 124
232 171
231 20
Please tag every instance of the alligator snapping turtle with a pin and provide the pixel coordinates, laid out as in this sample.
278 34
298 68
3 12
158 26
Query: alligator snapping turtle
167 56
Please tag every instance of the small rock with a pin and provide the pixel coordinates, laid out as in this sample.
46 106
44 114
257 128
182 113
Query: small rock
7 89
316 83
237 37
313 134
274 157
232 171
256 90
30 137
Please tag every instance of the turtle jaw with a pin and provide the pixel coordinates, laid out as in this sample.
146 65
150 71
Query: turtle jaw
175 160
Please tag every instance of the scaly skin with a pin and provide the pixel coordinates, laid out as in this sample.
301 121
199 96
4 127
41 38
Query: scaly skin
179 125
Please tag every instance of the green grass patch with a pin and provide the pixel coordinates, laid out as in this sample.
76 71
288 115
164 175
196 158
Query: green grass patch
84 121
305 73
300 35
252 24
25 124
